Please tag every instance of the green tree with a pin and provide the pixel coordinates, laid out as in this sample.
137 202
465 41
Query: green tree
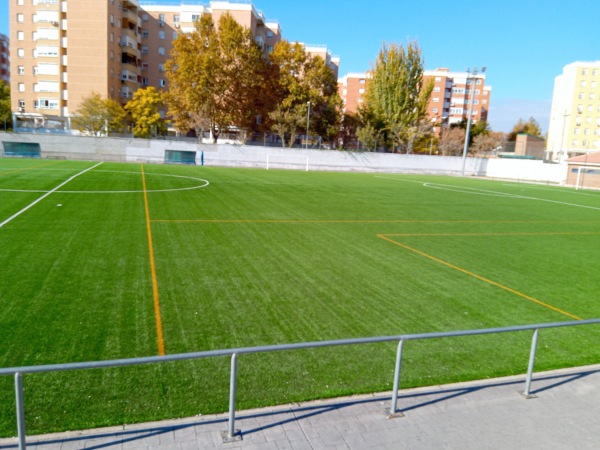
530 127
5 111
144 111
396 95
216 78
97 116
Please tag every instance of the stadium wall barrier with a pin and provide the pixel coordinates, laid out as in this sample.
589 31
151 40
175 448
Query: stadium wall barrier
153 151
231 434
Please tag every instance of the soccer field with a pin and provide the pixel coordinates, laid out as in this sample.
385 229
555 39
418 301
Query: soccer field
104 261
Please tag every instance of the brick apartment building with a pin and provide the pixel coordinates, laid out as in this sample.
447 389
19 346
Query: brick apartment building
63 51
4 58
449 102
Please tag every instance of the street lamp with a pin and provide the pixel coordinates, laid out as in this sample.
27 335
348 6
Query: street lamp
307 124
472 96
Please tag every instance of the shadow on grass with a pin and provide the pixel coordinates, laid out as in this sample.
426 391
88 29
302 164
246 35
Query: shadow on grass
283 415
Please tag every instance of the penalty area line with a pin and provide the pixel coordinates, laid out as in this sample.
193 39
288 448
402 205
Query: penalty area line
35 202
479 277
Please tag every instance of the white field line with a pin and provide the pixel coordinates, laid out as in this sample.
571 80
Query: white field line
190 188
46 195
476 191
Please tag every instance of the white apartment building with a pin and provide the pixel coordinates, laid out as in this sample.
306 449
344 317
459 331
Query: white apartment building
574 127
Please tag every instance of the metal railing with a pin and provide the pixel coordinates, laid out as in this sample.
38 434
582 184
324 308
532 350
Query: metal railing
231 433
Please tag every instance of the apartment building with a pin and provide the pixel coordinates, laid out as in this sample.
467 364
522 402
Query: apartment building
449 102
574 127
4 58
63 51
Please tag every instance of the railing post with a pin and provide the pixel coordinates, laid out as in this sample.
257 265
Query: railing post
232 434
20 410
393 412
526 393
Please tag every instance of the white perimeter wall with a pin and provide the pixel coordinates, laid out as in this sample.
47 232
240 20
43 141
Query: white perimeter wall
152 151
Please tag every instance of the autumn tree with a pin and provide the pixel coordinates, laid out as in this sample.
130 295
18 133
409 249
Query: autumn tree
286 122
451 141
397 97
301 78
144 111
487 142
5 111
216 78
98 116
531 127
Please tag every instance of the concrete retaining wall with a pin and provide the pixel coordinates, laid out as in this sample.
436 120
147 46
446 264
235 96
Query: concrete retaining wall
152 151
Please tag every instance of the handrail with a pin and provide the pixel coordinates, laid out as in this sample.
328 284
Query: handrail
232 434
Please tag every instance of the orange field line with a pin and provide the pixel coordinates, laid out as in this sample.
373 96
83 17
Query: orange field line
479 277
510 233
159 331
356 221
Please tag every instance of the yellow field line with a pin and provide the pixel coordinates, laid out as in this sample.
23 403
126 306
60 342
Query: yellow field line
358 221
28 168
510 233
159 331
493 283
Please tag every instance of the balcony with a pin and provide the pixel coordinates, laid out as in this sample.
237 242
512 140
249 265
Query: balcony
130 16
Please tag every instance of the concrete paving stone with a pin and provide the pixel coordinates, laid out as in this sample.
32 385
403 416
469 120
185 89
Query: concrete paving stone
301 445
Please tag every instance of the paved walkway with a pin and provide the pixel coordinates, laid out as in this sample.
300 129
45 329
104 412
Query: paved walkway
479 415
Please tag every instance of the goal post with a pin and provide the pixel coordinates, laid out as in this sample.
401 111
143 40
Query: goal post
287 161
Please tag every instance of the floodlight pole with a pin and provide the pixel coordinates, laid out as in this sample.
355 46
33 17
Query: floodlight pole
472 96
307 124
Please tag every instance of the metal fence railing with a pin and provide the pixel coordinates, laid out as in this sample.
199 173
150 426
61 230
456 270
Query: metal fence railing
231 433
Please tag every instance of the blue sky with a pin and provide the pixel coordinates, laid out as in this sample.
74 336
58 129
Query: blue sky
524 44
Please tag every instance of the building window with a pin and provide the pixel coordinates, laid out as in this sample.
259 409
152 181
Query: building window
176 19
144 81
435 99
437 79
20 18
583 71
195 17
594 84
161 20
20 36
144 49
161 50
144 66
174 35
162 83
21 104
161 67
145 34
270 34
590 107
20 53
576 131
592 96
161 34
361 81
436 89
145 17
112 20
583 83
434 110
575 142
21 70
585 142
586 131
580 96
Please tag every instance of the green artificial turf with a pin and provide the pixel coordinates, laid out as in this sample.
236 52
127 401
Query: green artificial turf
271 257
